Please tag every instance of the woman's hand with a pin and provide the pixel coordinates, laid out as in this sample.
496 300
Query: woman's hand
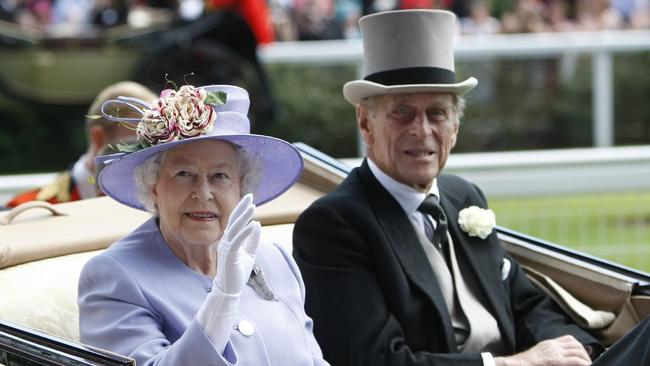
237 248
236 253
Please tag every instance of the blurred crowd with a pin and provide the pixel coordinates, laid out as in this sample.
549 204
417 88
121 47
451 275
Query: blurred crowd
291 20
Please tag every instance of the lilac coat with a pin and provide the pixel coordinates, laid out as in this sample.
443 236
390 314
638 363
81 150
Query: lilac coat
139 299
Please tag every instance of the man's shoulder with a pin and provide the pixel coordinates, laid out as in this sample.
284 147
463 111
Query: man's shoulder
452 180
457 186
347 197
350 189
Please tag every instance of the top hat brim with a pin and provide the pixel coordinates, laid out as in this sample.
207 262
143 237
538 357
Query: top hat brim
357 90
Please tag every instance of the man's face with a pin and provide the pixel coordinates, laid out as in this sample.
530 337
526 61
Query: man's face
409 136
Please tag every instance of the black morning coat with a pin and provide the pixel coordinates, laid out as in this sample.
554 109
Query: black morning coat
374 297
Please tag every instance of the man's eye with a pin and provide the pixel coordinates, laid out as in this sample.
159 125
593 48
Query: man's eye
437 114
183 173
401 112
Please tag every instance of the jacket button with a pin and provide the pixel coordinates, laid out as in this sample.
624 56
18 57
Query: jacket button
246 328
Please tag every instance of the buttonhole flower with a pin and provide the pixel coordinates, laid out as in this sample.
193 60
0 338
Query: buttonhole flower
476 221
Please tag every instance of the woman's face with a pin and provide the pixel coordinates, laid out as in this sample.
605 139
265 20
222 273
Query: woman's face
198 187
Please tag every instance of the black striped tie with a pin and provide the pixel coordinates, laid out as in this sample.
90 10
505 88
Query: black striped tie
430 206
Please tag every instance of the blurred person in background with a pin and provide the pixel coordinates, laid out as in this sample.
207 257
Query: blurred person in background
9 9
596 15
281 11
33 13
479 19
316 20
526 17
348 13
640 18
559 18
78 182
256 13
72 13
109 13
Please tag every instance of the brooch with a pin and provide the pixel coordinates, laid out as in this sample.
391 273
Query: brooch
258 283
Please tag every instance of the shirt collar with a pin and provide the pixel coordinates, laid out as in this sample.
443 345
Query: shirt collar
406 196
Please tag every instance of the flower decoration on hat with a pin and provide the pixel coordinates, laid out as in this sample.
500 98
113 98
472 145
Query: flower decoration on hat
476 221
176 115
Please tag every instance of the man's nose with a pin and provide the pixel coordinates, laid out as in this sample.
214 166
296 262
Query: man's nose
420 125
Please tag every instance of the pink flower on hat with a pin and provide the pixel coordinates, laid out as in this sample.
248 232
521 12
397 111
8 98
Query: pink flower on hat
177 115
194 116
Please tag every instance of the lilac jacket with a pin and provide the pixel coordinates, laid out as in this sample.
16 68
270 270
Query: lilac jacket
138 299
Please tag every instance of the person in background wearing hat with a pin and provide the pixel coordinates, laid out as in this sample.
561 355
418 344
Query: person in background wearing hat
196 284
79 181
401 263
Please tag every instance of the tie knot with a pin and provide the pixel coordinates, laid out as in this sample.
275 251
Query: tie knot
430 206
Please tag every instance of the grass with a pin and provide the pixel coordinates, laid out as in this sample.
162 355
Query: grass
614 226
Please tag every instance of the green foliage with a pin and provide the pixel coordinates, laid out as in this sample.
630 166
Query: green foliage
312 108
632 86
39 138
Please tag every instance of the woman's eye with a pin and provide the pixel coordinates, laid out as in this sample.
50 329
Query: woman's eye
183 173
221 175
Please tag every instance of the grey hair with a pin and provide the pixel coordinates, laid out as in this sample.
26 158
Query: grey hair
250 170
147 173
370 104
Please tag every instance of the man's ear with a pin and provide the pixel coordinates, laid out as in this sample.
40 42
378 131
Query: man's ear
364 123
98 138
454 137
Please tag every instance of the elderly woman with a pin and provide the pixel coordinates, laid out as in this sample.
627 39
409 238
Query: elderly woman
195 285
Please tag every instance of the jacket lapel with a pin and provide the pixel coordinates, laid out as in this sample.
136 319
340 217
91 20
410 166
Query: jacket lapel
476 258
401 236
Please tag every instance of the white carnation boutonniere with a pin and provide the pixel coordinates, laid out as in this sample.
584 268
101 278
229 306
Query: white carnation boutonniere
476 221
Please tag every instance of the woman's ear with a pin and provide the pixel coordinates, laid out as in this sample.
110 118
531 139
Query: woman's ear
154 196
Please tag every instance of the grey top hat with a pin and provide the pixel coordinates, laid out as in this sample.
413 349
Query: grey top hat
407 51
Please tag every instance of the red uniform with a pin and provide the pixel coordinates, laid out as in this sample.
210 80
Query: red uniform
62 189
256 14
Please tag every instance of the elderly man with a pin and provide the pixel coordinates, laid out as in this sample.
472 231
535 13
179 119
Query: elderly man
392 277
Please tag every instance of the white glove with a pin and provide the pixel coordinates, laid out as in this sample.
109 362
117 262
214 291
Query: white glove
237 248
236 255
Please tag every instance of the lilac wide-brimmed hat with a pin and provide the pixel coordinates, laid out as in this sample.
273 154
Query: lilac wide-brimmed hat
189 115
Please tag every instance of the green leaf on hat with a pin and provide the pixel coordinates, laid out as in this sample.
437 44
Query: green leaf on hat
133 147
217 98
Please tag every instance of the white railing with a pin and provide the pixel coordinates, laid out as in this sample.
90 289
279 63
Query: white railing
600 45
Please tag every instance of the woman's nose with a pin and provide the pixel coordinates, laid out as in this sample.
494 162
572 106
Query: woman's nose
203 189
